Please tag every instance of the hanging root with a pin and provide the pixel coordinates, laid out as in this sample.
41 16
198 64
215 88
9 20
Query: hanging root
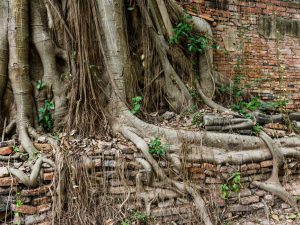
178 95
142 145
273 184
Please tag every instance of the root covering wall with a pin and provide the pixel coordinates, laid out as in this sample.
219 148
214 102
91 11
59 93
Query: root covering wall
115 161
258 39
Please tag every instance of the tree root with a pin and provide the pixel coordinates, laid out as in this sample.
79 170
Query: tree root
141 144
273 184
47 52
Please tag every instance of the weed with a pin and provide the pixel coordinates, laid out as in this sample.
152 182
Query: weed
45 116
256 129
135 216
136 101
16 149
197 118
183 32
40 85
232 185
156 148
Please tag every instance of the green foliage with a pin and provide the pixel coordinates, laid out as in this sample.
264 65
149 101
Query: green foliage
256 129
40 85
194 43
197 118
45 116
16 149
136 102
135 216
156 148
233 185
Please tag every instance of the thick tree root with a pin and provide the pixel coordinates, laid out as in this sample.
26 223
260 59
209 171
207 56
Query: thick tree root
273 184
141 144
47 52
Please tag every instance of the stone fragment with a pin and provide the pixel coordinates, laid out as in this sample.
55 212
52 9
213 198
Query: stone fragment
258 205
4 172
33 219
250 199
168 115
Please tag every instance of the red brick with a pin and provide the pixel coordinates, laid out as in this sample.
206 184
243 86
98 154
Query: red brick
42 200
43 208
36 191
48 176
268 163
251 10
261 5
7 181
6 151
25 209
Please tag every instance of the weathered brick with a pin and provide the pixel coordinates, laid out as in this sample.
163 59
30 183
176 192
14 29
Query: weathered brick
48 176
268 163
25 209
7 181
36 191
6 151
43 208
41 200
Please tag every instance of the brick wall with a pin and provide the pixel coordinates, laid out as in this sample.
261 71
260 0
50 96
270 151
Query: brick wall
263 49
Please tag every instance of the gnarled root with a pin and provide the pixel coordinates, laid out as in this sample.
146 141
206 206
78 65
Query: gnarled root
142 145
273 184
32 180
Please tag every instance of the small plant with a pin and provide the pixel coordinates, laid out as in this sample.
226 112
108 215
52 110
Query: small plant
156 148
233 185
17 214
183 32
136 101
256 129
197 118
40 85
45 116
135 217
16 149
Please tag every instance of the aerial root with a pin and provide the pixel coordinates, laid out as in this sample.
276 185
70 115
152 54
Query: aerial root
186 188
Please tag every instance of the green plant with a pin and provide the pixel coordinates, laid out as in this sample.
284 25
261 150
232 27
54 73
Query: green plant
256 129
138 216
16 149
232 185
156 148
45 115
136 101
135 216
194 43
197 118
125 222
40 85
